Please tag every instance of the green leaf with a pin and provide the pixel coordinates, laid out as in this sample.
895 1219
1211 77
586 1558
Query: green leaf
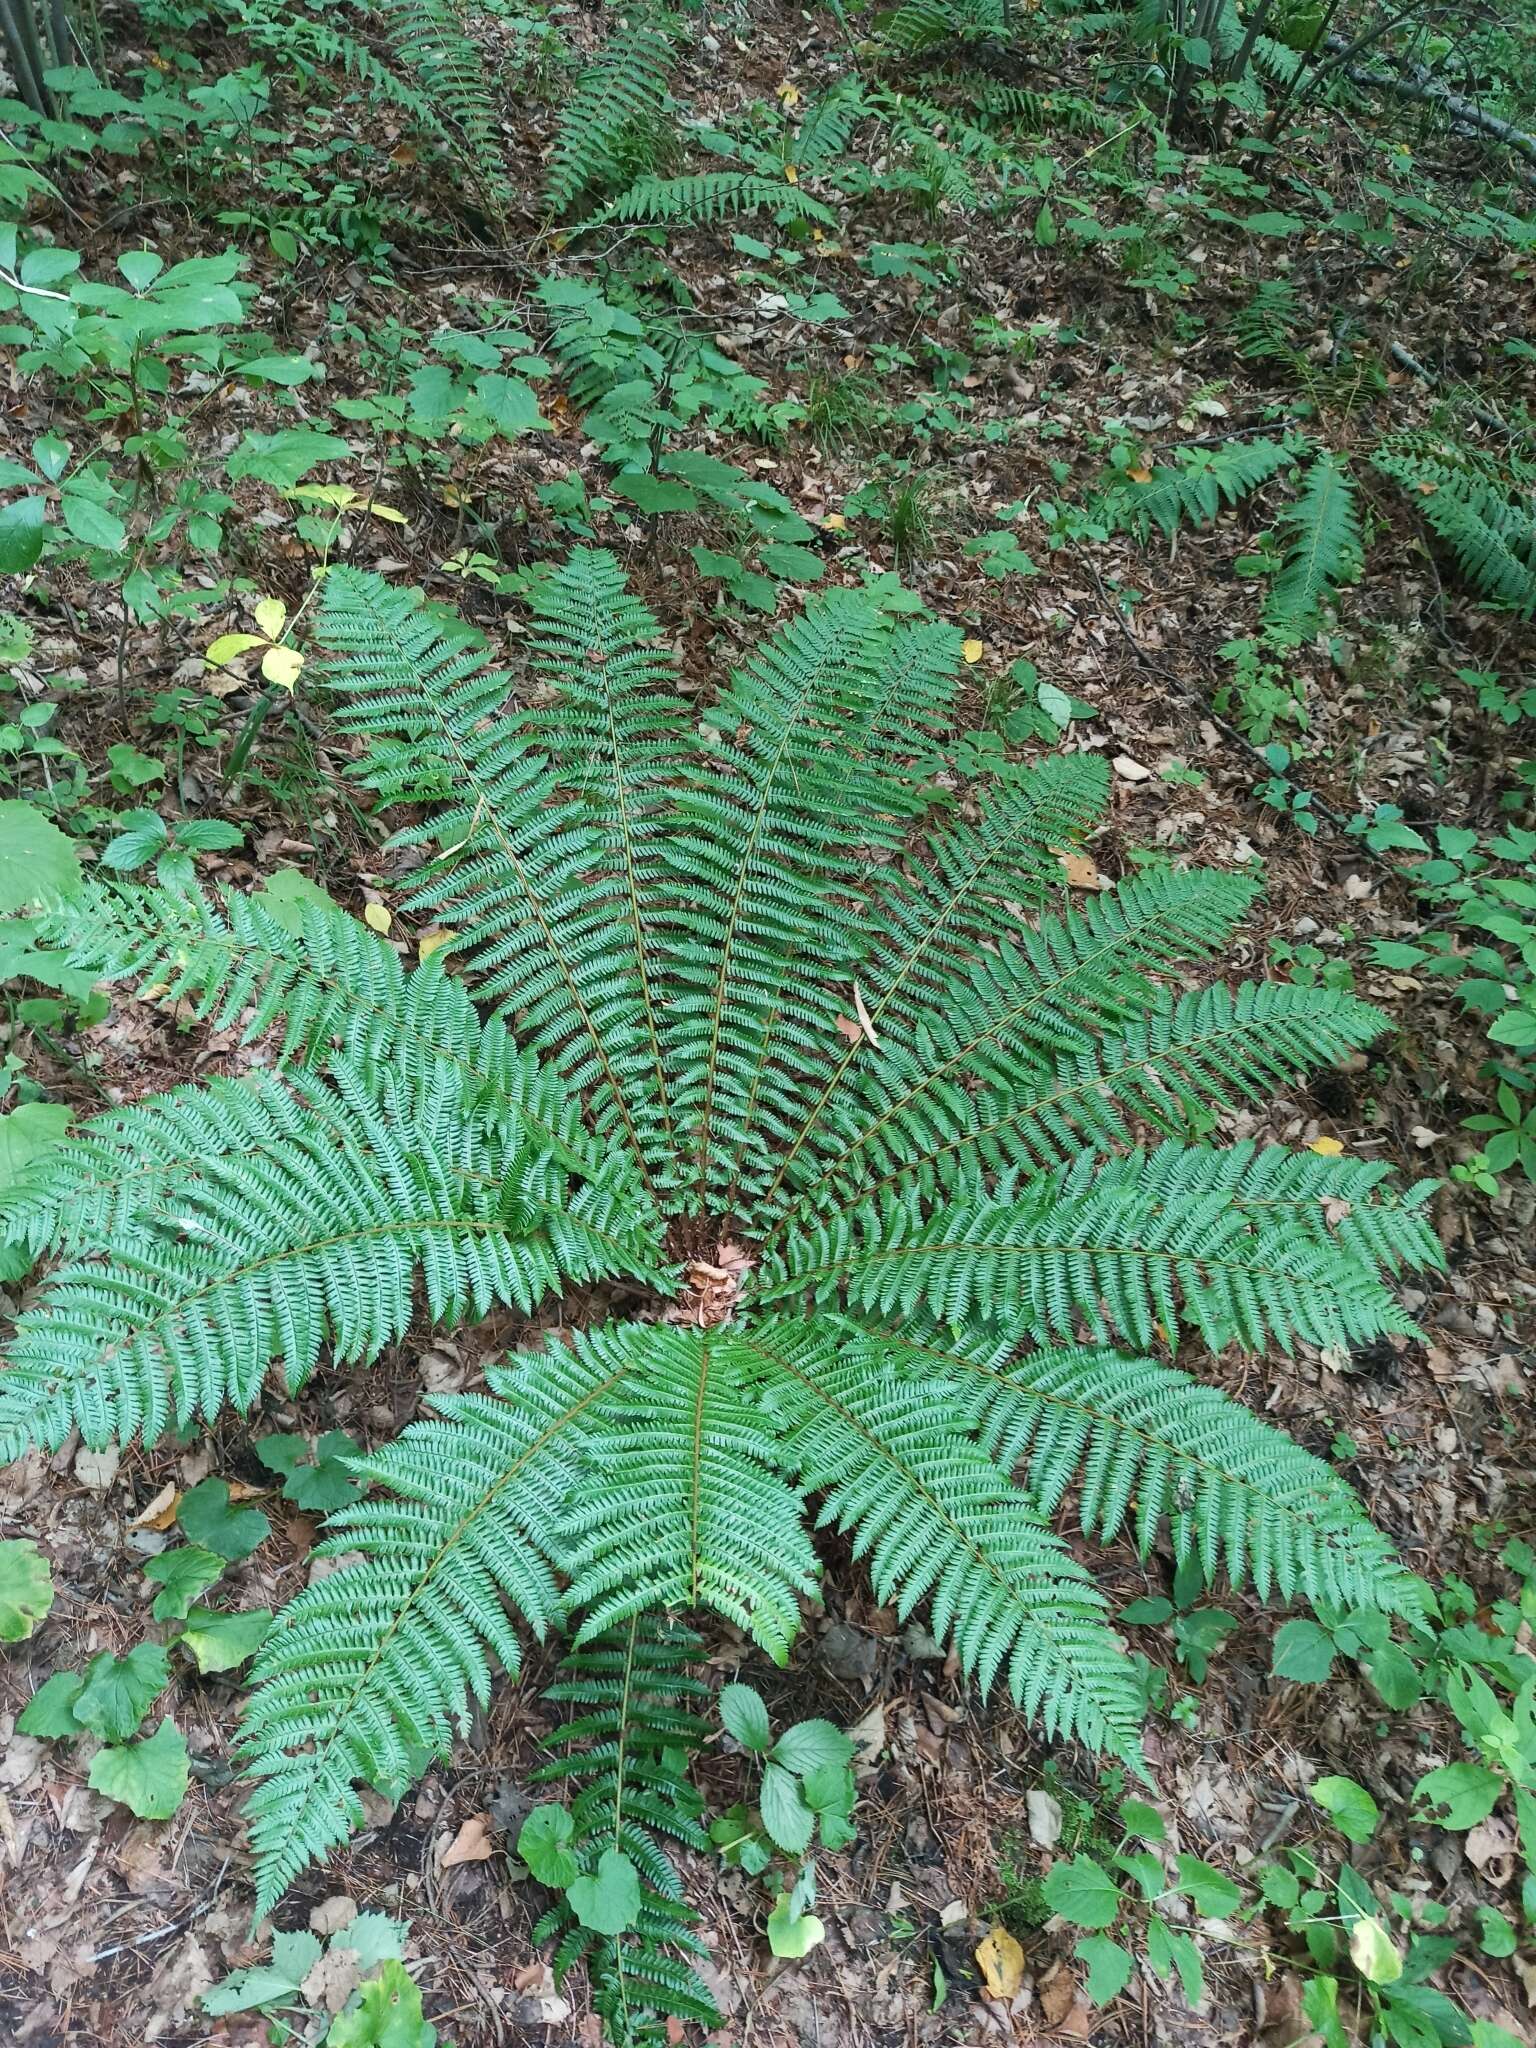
743 1715
609 1902
39 867
26 1589
182 1574
1170 1949
1143 1821
315 1480
1212 1894
512 405
50 1713
387 2015
789 1821
654 493
117 1691
795 564
207 1518
92 523
220 1642
149 1777
141 267
1467 1792
294 1955
810 1745
1109 1967
284 370
543 1843
21 535
791 1934
1355 1813
1303 1651
285 458
1495 1936
1082 1891
287 895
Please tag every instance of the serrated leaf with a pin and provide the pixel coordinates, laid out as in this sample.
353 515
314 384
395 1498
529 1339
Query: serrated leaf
208 1518
387 2015
220 1642
1082 1891
743 1715
1374 1953
149 1777
1355 1813
39 867
787 1819
26 1589
809 1745
50 1713
182 1574
1109 1967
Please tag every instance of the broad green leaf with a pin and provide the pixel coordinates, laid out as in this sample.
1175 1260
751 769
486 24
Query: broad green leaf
220 1642
1082 1891
315 1479
207 1517
1109 1967
791 1934
1303 1651
288 894
50 1713
26 1589
149 1777
1355 1813
1143 1821
809 1745
543 1843
743 1715
387 2015
117 1691
608 1902
183 1575
1212 1894
21 535
1467 1792
788 1820
39 867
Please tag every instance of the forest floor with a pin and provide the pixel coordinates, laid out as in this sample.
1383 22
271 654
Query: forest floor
108 1927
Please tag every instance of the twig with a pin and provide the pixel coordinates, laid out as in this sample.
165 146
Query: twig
1411 363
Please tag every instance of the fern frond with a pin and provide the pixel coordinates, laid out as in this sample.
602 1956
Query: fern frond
827 125
526 881
1138 1442
922 929
625 1758
918 26
1171 1070
818 723
314 1233
686 1507
703 197
1118 1248
1054 987
940 1523
1325 547
1482 510
374 1664
623 90
432 43
1193 490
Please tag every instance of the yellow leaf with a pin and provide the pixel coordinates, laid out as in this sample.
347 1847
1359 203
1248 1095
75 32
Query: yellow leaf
1001 1962
377 918
339 495
790 95
973 650
1080 871
161 1511
1374 1953
434 941
1139 476
1329 1147
281 665
389 512
271 615
791 175
834 522
228 646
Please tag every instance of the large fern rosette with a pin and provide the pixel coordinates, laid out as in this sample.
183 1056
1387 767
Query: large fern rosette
887 1164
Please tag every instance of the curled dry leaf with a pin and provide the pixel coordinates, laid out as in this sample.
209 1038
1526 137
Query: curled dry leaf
472 1844
1001 1962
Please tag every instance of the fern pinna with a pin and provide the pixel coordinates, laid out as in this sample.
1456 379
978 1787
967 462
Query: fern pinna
898 1158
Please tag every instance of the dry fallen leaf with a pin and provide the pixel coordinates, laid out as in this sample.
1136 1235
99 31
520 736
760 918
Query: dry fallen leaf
377 918
1129 770
161 1511
866 1022
851 1029
1330 1148
973 650
472 1844
1080 871
1001 1962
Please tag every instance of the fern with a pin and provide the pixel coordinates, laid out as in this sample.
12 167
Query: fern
1265 328
1324 549
1479 507
624 1759
623 92
711 196
848 1112
1193 490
